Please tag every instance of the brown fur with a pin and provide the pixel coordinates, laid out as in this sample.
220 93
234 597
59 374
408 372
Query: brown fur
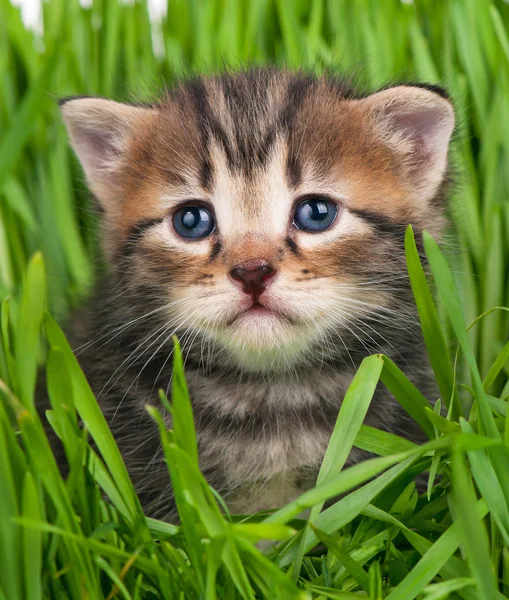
250 146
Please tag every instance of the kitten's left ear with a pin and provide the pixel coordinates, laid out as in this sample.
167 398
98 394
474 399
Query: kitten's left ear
101 132
417 123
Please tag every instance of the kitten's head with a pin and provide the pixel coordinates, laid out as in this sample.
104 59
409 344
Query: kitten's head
262 213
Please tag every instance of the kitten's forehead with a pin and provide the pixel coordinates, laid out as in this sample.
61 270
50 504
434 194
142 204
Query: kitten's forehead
256 137
222 138
261 139
258 202
244 114
243 148
251 143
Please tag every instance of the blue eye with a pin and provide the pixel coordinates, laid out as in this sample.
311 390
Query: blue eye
193 222
315 214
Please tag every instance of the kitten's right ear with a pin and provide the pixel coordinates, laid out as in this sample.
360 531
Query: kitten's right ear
100 131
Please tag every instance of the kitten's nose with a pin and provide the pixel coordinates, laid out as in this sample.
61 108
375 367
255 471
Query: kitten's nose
253 276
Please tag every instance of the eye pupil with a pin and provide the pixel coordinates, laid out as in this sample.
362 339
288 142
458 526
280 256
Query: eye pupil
319 211
315 214
193 222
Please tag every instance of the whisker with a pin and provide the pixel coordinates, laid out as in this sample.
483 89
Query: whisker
165 341
118 330
162 328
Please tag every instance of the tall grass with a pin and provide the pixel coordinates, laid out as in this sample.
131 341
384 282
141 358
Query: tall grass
87 537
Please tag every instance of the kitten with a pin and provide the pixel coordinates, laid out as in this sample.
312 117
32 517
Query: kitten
259 216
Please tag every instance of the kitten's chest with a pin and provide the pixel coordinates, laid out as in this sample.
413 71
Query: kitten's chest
269 439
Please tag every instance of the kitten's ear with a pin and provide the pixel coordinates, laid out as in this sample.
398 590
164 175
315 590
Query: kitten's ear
100 131
418 123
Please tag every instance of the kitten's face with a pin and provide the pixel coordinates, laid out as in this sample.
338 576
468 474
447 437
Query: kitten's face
262 214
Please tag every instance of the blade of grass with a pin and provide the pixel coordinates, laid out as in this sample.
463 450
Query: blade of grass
32 540
405 392
451 301
350 418
431 328
95 423
474 535
29 323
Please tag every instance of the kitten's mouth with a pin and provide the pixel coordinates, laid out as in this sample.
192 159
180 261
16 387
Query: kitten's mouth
259 310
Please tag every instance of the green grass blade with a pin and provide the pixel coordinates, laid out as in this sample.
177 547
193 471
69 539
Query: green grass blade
405 392
32 540
10 538
350 418
183 420
449 295
496 367
431 328
489 486
94 421
29 323
474 535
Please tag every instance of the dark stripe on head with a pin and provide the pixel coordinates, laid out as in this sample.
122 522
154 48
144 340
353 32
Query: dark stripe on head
209 127
263 150
247 96
136 233
295 95
292 245
237 92
293 170
198 95
206 175
394 229
216 249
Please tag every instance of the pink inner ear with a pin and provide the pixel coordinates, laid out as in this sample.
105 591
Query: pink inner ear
99 147
100 131
422 125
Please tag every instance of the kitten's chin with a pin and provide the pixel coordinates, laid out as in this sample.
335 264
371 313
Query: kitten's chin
260 340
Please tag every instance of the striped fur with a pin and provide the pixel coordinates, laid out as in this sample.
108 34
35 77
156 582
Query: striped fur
266 390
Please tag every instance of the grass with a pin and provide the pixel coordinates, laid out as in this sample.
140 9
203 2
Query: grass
64 539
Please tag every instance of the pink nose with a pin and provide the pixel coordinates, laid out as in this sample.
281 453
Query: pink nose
253 277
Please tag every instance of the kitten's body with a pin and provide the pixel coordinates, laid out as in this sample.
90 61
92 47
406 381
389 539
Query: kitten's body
267 384
261 438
